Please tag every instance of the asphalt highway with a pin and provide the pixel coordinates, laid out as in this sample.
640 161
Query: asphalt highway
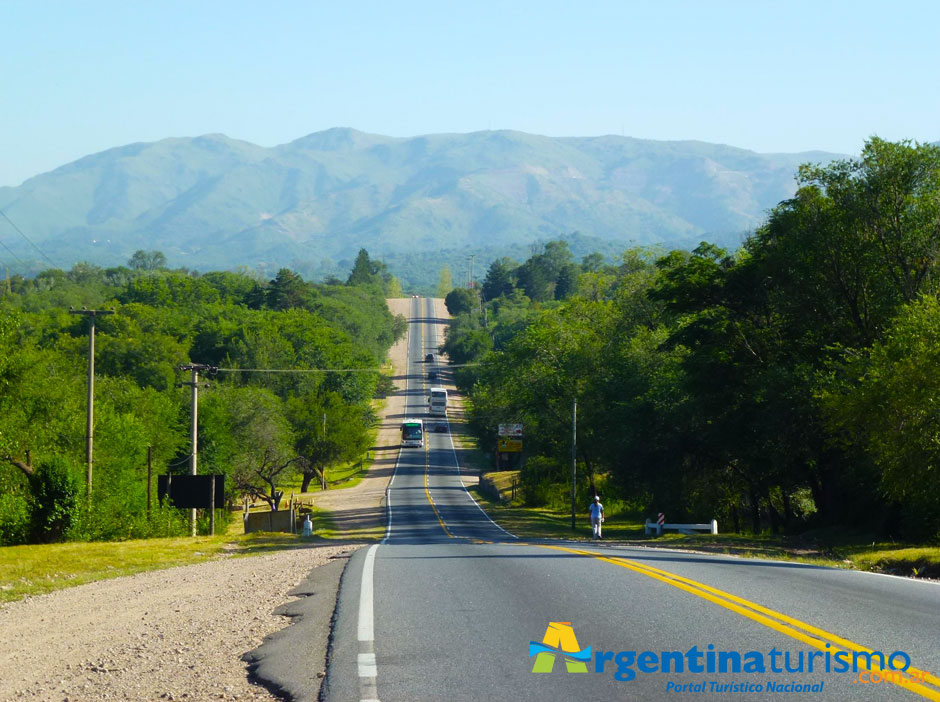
449 607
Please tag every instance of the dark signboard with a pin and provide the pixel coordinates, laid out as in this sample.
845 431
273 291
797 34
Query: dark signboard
191 491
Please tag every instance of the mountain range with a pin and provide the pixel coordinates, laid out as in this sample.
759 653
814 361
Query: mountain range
311 204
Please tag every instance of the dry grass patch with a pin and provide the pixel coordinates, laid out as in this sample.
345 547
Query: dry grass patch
38 569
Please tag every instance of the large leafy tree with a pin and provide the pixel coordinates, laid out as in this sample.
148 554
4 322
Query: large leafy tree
860 238
165 318
784 381
536 277
891 413
287 290
147 260
500 279
265 456
460 301
327 431
367 271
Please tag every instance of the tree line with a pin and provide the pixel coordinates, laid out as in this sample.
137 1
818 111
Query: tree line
256 427
787 385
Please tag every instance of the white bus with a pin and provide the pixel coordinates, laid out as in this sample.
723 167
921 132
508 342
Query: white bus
412 433
437 402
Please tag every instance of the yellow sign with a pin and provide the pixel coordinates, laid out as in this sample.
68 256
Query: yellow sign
509 446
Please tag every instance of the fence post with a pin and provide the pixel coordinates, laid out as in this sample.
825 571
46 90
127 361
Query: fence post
212 505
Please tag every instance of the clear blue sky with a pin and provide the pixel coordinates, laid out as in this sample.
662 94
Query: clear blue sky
81 77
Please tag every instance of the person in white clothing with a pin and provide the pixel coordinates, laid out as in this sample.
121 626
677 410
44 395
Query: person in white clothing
597 516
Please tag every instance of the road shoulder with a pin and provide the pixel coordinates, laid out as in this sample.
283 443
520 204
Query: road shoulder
291 663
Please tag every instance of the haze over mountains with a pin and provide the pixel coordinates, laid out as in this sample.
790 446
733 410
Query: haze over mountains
215 202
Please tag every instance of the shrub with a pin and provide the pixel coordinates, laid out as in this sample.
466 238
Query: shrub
14 519
54 502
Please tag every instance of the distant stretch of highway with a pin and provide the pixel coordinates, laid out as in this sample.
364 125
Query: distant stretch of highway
450 607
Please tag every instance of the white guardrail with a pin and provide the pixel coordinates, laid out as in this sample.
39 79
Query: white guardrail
657 528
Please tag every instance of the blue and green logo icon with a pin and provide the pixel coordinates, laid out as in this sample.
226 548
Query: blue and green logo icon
559 640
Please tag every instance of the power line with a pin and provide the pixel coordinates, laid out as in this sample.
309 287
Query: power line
20 232
299 370
10 251
321 370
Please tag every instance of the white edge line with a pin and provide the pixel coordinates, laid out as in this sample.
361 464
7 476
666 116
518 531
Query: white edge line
366 630
388 488
472 499
367 667
453 448
905 578
388 501
365 660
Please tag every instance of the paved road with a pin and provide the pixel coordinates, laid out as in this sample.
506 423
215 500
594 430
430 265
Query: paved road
446 606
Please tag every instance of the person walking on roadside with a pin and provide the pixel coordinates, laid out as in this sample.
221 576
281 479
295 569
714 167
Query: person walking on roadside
597 516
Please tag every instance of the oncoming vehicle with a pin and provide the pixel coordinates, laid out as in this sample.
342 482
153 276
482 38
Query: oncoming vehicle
412 433
429 358
437 402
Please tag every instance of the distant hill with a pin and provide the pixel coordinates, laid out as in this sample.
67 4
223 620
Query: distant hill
216 202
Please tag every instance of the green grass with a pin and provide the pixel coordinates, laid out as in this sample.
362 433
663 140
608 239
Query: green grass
838 548
37 569
840 551
346 475
748 546
338 477
503 481
545 523
916 561
819 549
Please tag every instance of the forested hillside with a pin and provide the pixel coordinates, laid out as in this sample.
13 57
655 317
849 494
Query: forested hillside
257 427
789 384
212 202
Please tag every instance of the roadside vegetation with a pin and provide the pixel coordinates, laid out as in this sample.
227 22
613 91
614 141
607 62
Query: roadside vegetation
787 388
36 569
265 431
833 547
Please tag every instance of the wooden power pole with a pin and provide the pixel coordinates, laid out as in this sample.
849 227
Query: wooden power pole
90 424
574 455
193 438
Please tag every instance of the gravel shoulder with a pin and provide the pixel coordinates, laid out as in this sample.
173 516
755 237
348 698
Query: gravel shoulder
175 634
358 513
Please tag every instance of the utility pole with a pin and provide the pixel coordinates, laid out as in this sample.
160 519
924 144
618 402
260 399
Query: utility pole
90 425
193 436
470 271
149 476
323 485
574 453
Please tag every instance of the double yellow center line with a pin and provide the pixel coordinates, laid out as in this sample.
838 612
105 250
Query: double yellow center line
427 490
427 465
913 679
